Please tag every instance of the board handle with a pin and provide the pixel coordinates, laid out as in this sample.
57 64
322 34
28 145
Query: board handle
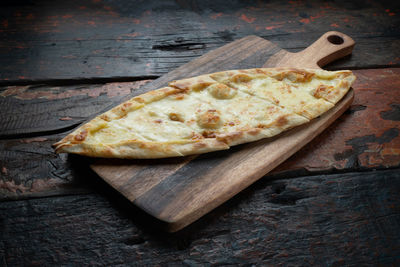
329 47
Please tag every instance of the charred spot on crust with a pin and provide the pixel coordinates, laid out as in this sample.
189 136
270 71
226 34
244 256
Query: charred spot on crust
142 145
186 85
200 86
208 134
221 91
158 121
105 117
119 112
196 136
276 101
179 96
176 117
345 74
286 89
180 84
254 131
259 71
294 75
81 136
282 121
304 76
200 145
344 83
108 152
139 99
322 90
221 76
209 119
126 106
238 78
272 109
229 137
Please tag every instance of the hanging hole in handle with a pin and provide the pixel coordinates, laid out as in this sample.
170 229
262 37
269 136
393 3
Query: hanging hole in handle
335 39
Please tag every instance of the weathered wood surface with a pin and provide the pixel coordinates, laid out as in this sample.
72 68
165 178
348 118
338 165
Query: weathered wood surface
348 219
44 40
29 166
42 109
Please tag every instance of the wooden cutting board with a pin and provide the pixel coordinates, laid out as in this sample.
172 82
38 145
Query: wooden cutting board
178 191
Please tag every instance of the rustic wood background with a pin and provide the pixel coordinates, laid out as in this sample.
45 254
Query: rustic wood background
336 202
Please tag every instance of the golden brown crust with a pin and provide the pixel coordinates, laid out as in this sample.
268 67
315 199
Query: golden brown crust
143 150
293 75
197 83
82 140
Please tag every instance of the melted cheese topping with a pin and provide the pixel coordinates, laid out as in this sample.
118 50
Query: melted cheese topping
256 106
244 111
280 93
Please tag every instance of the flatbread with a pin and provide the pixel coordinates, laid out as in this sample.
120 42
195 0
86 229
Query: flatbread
209 113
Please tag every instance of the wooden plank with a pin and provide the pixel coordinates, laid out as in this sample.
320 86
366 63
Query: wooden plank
343 219
44 109
95 39
30 168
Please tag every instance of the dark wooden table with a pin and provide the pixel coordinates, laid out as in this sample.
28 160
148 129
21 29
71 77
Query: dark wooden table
336 202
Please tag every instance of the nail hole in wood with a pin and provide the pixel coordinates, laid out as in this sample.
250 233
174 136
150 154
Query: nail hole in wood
335 39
